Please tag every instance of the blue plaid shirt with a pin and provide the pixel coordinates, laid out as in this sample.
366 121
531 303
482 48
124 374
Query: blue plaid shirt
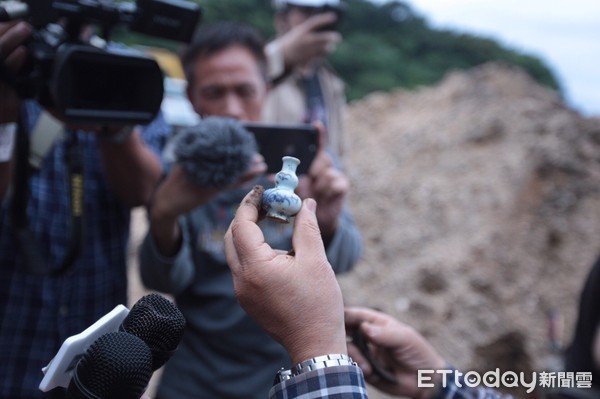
38 313
347 382
336 382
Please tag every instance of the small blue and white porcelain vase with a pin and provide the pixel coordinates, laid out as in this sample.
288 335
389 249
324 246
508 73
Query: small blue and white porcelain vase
280 202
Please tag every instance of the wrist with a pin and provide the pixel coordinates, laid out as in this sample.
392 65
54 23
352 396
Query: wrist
308 348
315 363
165 230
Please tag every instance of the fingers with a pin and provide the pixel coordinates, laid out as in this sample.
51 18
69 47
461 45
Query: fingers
307 239
12 36
330 184
355 316
244 236
381 329
321 20
322 143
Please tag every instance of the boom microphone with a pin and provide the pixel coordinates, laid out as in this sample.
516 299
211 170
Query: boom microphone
116 366
159 323
214 153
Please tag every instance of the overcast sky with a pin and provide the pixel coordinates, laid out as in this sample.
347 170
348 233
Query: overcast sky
564 34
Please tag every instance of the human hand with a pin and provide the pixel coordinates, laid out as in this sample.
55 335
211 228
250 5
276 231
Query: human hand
304 42
12 57
295 298
397 347
327 185
177 195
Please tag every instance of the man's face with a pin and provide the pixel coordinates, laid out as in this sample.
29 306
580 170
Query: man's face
230 84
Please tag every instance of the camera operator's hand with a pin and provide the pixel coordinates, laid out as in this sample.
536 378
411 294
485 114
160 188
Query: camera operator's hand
295 298
397 347
176 196
12 56
327 185
304 42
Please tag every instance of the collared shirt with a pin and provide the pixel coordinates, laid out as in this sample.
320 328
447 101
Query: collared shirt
37 313
337 382
347 382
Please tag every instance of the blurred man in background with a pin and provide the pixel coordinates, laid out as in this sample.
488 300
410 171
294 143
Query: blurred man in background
305 87
224 353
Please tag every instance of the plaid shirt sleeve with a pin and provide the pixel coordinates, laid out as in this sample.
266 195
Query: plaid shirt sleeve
336 382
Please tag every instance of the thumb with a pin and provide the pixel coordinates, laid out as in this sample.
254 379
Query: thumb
391 338
307 236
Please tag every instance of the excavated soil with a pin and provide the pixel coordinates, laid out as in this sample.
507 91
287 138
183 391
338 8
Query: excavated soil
479 202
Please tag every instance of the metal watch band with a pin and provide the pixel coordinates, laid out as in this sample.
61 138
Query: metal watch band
314 363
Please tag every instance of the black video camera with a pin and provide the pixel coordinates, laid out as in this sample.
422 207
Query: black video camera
88 79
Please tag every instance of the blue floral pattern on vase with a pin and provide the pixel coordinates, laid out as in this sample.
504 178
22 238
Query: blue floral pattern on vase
280 202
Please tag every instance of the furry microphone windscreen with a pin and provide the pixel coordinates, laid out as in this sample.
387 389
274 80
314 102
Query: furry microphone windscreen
216 152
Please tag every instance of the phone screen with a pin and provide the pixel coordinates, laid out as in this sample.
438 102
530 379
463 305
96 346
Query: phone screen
276 141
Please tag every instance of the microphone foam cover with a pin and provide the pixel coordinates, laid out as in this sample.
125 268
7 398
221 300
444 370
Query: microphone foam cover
216 152
159 323
116 365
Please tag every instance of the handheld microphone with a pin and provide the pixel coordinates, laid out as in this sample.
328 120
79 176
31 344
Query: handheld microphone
159 323
117 366
153 319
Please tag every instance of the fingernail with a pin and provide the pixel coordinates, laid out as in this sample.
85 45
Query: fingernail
256 194
311 204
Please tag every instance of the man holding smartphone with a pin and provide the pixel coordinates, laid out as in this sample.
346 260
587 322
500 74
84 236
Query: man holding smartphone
224 353
305 87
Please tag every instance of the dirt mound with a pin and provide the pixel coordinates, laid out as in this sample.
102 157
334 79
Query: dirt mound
479 201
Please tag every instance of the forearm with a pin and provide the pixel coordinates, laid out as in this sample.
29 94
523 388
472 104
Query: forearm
170 274
131 168
345 247
165 230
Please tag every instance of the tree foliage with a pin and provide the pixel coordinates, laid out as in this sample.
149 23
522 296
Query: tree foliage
387 45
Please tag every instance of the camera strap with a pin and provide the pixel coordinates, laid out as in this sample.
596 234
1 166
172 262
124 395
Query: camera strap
34 261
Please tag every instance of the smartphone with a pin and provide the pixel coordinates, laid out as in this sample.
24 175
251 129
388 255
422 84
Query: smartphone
334 26
278 140
360 341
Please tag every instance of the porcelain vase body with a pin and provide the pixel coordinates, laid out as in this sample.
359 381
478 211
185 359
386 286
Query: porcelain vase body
280 202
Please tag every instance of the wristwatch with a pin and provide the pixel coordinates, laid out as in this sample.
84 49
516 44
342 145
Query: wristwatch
315 363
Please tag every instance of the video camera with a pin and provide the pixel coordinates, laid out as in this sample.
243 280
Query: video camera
88 79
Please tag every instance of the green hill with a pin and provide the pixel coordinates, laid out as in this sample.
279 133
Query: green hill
389 45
